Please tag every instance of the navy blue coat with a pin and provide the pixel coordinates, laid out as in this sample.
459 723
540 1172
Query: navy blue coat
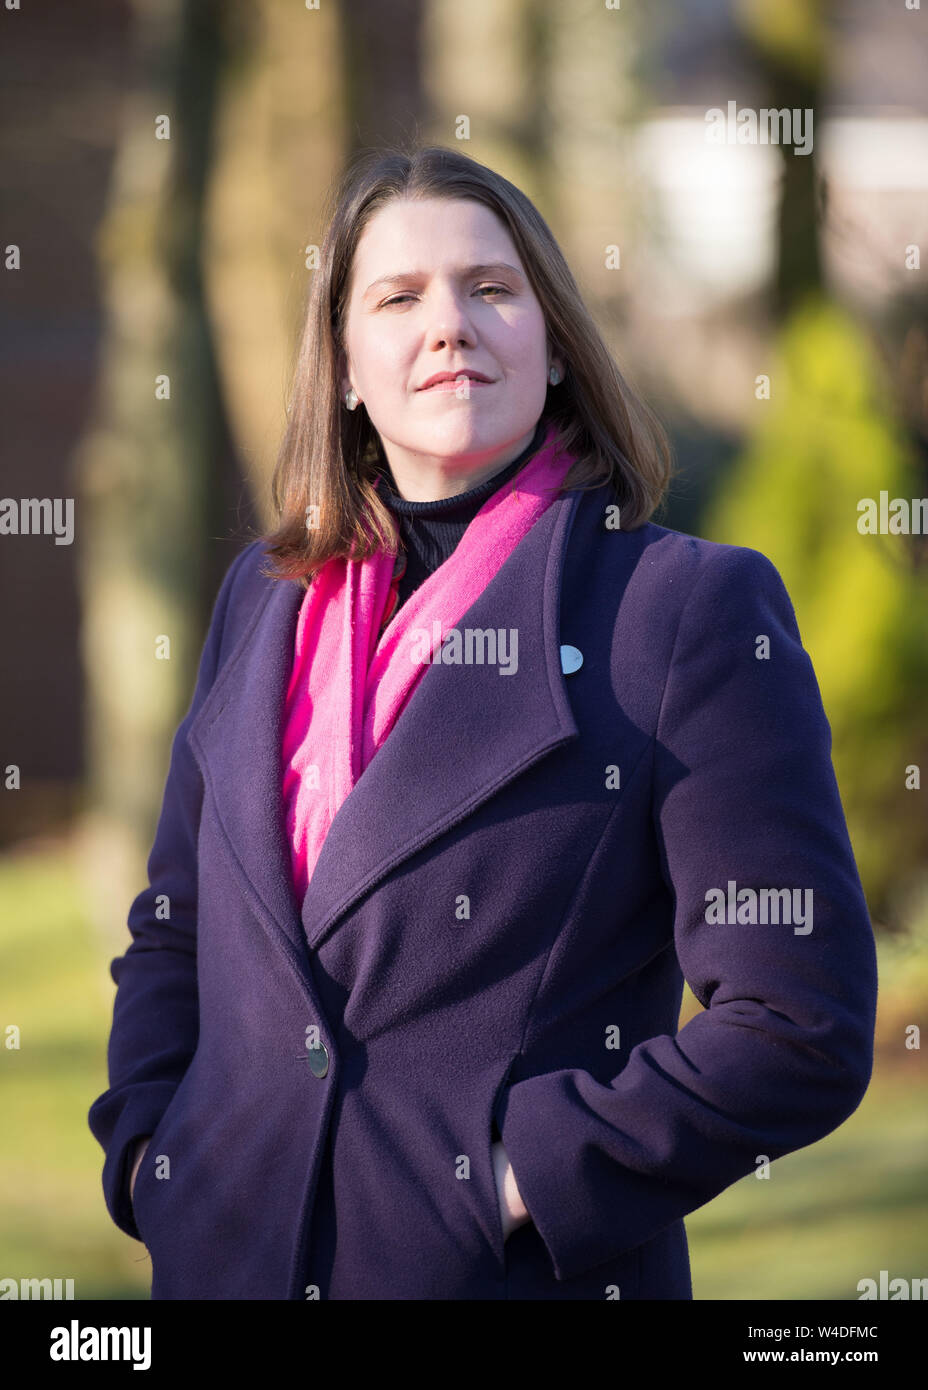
497 928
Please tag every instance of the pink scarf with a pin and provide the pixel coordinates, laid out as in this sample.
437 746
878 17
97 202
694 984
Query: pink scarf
350 681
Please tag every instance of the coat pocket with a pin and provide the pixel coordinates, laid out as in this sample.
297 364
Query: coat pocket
147 1181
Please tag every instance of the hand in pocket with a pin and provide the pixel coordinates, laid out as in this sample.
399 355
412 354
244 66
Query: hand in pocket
512 1209
140 1148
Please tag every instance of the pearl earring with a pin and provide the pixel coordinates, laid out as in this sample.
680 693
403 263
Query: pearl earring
351 398
554 376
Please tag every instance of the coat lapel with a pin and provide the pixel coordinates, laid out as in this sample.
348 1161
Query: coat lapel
466 731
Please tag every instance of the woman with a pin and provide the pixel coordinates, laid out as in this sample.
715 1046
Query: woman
446 825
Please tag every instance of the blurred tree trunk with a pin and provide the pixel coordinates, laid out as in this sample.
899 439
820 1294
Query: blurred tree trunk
155 475
278 145
381 55
790 45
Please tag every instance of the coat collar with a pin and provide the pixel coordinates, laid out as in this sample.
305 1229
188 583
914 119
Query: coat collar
466 731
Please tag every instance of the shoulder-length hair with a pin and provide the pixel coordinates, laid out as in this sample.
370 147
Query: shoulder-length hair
323 484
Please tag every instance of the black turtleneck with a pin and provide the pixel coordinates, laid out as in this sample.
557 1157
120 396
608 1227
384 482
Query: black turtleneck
429 531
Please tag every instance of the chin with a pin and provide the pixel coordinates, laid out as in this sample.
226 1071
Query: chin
457 436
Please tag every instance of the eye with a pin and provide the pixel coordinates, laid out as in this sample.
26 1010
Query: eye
493 289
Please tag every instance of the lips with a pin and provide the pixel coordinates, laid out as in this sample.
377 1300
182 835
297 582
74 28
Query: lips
451 380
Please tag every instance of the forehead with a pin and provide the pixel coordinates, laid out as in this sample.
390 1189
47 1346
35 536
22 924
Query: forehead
410 235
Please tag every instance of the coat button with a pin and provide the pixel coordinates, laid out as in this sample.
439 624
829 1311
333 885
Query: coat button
571 660
318 1060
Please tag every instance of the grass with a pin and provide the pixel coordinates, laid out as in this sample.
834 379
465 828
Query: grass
828 1216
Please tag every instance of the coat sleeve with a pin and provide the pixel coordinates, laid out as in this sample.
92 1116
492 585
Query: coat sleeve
155 1012
744 790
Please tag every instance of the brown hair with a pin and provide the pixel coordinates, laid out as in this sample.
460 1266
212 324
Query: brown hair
323 484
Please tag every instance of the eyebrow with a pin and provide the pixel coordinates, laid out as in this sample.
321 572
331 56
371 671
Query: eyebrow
486 269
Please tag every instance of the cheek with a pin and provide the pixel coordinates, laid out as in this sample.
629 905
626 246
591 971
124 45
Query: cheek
377 354
387 361
520 341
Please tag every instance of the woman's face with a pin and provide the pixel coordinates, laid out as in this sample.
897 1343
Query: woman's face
437 286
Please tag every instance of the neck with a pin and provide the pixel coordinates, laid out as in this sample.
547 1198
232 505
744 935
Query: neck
417 479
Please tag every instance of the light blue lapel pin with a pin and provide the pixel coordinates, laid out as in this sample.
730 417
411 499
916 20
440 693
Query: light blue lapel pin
571 660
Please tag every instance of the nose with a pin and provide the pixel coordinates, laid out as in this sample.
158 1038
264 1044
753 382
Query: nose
449 320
